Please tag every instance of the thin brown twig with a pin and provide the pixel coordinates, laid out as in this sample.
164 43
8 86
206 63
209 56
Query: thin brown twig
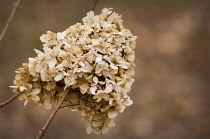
9 100
43 130
4 31
15 7
64 106
94 5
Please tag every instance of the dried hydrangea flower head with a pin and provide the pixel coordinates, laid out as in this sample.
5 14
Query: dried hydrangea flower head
95 60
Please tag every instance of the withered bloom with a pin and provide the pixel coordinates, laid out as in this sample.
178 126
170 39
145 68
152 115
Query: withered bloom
94 59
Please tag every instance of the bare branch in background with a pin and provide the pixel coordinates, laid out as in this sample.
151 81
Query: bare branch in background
43 130
15 7
94 5
9 100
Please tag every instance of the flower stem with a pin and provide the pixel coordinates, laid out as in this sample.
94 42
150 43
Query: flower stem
9 100
43 130
66 106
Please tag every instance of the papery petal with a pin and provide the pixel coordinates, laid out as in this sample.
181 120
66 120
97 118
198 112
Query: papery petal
35 91
128 102
25 102
109 88
93 90
44 38
90 14
95 80
52 63
22 88
99 58
112 114
13 86
58 77
105 129
47 104
113 66
89 129
95 41
35 98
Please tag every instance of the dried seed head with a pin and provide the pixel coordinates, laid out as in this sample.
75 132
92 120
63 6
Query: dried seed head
95 60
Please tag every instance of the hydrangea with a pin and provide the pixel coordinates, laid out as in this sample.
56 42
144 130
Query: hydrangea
95 60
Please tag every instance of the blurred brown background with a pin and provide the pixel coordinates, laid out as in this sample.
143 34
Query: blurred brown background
171 89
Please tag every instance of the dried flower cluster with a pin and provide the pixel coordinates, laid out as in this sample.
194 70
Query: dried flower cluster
95 61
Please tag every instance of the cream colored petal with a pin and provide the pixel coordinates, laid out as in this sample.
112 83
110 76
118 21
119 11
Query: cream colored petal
44 38
110 101
28 85
95 80
105 129
97 130
31 60
35 91
113 66
93 90
99 58
40 54
97 123
109 88
62 35
120 107
89 129
18 76
95 41
107 11
31 68
47 104
112 114
128 102
25 102
90 14
22 88
131 57
98 69
83 91
81 64
35 98
13 86
52 63
45 77
58 77
84 86
110 123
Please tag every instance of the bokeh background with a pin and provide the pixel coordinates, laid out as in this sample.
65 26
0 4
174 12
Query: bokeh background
171 89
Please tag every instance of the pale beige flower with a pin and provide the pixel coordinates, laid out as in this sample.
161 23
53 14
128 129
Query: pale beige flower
94 59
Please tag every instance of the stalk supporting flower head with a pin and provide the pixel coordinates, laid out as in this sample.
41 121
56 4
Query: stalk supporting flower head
94 59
